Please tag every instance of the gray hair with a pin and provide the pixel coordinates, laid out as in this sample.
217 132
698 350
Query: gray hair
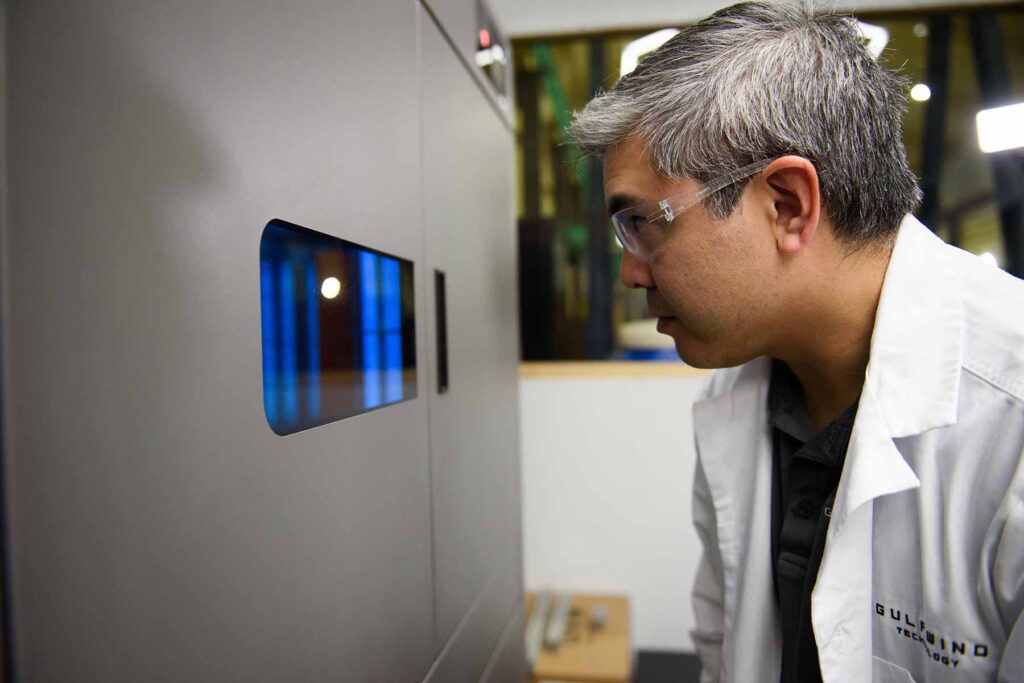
758 81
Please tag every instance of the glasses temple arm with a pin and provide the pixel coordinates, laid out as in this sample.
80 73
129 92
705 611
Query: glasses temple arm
741 173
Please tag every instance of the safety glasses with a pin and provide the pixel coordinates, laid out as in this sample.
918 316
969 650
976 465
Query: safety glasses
642 229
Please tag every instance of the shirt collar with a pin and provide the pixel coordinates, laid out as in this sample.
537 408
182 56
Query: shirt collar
915 358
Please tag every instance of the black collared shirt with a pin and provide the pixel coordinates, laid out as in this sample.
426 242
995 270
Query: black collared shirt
807 466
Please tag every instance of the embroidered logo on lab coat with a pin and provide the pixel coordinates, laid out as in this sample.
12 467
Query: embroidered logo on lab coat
942 649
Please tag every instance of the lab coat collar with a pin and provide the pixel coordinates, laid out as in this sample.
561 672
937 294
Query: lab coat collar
914 367
913 374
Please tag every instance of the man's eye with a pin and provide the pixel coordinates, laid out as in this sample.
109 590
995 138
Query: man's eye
636 223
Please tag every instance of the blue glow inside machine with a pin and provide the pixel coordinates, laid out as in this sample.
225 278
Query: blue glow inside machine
339 335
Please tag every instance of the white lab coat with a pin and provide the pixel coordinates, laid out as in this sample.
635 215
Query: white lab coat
922 577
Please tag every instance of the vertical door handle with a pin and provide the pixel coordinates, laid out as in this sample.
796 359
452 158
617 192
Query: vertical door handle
442 332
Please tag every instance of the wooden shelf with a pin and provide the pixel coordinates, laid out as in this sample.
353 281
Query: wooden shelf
585 655
603 369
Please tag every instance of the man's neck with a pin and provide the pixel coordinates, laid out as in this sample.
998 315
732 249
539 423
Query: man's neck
829 343
828 395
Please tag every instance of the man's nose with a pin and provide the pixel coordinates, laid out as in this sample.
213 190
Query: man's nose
635 273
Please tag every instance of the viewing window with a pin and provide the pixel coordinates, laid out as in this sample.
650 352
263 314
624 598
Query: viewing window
339 334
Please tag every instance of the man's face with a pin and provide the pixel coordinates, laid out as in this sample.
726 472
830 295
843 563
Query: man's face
711 283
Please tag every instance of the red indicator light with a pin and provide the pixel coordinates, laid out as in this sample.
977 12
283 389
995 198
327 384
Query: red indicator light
485 38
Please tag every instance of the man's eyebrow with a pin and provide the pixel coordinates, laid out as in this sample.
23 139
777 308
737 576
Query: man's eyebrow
620 201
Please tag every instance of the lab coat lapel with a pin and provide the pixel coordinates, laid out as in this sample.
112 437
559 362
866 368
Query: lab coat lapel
911 386
840 602
735 451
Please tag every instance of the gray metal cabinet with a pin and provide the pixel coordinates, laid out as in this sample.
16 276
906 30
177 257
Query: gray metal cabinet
159 530
468 222
508 661
459 20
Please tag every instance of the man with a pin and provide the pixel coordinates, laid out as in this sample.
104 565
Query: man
860 488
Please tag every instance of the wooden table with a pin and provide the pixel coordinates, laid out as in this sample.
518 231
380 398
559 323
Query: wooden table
586 655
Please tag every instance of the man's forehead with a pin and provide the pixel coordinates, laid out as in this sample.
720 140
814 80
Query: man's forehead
630 155
629 170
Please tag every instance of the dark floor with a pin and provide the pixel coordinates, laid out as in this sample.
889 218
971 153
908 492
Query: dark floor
666 667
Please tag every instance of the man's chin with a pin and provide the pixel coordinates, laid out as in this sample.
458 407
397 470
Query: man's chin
690 350
696 360
704 355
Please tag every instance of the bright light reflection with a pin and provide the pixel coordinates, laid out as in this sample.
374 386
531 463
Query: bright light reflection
1001 128
876 36
484 57
989 258
632 53
490 55
920 93
331 287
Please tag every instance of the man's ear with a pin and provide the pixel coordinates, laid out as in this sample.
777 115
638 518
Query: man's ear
794 202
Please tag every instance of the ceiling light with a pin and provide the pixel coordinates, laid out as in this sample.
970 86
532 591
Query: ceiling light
1001 128
920 93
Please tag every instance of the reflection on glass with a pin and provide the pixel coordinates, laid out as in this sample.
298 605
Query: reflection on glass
331 287
338 328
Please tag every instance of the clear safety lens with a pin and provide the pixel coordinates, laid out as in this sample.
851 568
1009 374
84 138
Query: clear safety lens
641 229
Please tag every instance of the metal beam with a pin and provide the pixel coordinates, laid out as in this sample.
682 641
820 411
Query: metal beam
1007 169
600 340
527 87
935 118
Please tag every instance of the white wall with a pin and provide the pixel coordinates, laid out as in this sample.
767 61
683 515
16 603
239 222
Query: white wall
607 467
